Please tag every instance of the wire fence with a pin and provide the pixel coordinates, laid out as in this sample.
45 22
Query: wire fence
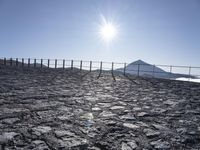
138 69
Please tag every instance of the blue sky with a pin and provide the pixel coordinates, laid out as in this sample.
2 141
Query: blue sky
156 31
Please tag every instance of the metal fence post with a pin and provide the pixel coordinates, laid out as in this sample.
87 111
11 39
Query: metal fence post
4 61
17 62
34 63
100 66
71 64
29 62
55 63
112 67
138 74
22 62
81 65
48 63
154 71
41 63
124 69
90 66
63 63
10 61
100 70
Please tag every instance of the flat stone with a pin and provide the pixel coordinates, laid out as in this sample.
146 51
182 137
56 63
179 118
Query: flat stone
104 105
107 114
122 103
87 116
111 123
192 112
159 144
127 117
96 109
125 146
64 117
181 130
94 148
145 107
129 125
169 102
75 142
11 120
192 133
159 110
142 114
14 110
37 142
132 144
64 108
160 127
92 99
117 107
142 124
137 108
78 111
42 129
40 145
62 133
151 133
6 136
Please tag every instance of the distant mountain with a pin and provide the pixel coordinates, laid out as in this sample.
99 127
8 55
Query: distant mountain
142 68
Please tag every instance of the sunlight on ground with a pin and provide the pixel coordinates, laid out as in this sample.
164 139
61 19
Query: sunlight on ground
187 79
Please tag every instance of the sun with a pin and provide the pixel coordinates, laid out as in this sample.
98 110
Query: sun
107 30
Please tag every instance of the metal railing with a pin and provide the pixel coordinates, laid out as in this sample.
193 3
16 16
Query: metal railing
158 71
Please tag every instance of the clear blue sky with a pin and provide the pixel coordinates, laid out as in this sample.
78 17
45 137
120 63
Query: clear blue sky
156 31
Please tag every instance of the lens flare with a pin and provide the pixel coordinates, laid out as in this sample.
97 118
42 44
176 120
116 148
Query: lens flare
107 30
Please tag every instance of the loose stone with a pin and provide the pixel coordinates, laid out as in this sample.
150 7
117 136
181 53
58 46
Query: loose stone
159 144
142 114
151 133
132 126
117 107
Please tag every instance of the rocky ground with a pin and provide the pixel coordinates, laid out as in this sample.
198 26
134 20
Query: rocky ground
56 109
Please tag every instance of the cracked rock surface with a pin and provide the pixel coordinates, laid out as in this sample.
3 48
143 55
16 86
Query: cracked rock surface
45 109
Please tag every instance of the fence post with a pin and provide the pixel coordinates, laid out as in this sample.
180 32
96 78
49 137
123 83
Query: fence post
124 69
55 63
29 62
81 65
138 70
41 63
112 67
48 63
34 63
154 71
189 72
90 66
22 62
71 64
10 61
4 61
100 66
17 62
63 63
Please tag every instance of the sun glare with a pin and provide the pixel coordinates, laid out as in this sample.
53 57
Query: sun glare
108 31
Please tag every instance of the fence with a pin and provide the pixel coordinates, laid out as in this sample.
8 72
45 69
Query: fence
138 69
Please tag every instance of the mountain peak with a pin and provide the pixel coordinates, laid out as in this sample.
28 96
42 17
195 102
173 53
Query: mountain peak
141 62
